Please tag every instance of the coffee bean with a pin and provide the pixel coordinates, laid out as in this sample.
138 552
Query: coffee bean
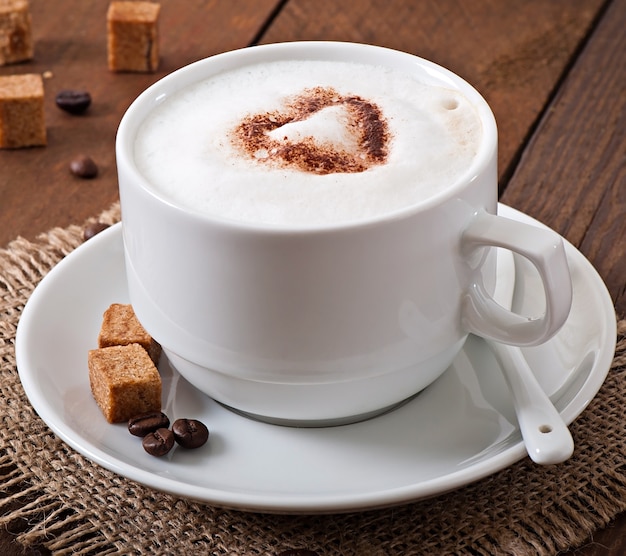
190 433
93 229
159 442
74 102
143 424
84 167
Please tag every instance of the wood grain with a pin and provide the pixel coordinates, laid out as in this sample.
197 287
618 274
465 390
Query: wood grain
37 190
573 172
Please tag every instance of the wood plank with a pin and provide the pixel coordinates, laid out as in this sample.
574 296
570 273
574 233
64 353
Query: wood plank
513 52
589 111
37 191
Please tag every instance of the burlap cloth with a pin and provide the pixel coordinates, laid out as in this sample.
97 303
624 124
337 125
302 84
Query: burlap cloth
70 505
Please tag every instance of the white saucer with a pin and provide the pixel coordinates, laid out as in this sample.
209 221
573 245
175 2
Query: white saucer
458 430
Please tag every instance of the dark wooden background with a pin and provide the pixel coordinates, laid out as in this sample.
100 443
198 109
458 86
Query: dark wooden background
554 72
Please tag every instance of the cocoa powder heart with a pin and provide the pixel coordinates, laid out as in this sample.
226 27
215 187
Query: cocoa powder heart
365 125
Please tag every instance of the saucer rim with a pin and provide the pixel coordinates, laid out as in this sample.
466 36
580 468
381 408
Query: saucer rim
306 503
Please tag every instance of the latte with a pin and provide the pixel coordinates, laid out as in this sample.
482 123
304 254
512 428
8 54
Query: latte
307 143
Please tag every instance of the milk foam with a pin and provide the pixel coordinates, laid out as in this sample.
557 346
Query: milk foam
329 126
189 151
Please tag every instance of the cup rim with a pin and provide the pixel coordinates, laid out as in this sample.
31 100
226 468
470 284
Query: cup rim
159 91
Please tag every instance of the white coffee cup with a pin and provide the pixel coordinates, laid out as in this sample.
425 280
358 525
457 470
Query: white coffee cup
330 323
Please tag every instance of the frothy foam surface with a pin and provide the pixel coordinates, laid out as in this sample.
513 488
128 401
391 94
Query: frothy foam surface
307 143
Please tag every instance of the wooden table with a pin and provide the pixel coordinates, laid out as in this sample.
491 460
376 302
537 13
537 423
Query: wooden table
553 71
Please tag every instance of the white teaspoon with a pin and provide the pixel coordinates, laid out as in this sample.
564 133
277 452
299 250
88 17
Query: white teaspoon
546 436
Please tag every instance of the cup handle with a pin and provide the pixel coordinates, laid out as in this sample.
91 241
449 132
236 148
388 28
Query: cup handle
483 316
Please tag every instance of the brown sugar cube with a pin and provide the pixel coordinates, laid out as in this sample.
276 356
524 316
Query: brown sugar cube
120 327
16 42
124 382
132 35
22 120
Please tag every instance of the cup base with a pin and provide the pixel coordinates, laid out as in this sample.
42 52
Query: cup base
320 423
315 404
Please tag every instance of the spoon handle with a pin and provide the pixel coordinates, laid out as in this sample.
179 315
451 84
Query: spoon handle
546 436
